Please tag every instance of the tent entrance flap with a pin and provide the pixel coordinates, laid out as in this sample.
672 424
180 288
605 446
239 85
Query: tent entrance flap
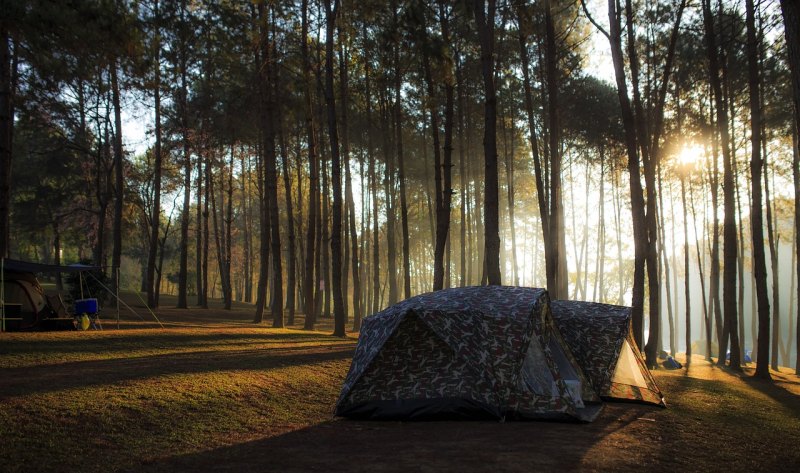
627 370
534 375
567 371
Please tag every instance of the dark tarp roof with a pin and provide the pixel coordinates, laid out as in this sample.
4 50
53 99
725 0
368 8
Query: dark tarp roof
30 267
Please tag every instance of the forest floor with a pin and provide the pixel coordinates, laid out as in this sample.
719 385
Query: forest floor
213 392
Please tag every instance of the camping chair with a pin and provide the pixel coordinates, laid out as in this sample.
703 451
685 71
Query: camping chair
86 310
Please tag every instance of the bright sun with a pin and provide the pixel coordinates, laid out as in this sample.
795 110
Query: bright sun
691 153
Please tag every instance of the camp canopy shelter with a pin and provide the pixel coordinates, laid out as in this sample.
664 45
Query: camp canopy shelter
600 338
489 351
24 304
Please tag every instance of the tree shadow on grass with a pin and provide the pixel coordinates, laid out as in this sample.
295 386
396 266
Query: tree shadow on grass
706 403
82 374
370 446
776 391
115 342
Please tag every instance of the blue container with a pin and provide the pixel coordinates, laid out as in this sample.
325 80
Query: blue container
86 306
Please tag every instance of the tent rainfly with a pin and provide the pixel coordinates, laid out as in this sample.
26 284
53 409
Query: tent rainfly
490 351
23 303
600 338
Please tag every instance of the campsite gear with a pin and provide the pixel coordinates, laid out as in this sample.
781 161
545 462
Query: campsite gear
25 305
671 364
746 359
600 338
87 310
86 306
49 312
37 311
465 353
84 323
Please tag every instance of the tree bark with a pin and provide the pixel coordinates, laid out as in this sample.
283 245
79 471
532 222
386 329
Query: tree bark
686 283
119 185
485 18
774 244
637 198
155 216
183 94
268 117
313 180
791 24
349 201
756 222
7 135
340 317
401 167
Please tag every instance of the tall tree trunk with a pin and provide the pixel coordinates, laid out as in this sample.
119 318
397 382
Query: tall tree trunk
730 319
155 217
713 296
313 179
462 174
485 19
119 185
665 262
263 224
637 198
7 66
686 282
706 319
291 257
401 168
199 234
247 221
556 205
268 117
542 197
349 201
796 180
774 244
373 185
206 233
389 186
601 224
756 222
220 234
509 162
183 94
791 25
340 317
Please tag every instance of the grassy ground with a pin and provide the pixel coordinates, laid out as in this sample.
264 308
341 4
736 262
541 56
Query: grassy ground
213 392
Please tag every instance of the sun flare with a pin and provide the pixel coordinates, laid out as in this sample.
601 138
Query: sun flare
690 153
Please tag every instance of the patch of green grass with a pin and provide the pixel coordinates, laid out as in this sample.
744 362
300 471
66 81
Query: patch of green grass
107 401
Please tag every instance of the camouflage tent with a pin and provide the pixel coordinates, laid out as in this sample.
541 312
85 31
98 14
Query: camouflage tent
600 338
489 351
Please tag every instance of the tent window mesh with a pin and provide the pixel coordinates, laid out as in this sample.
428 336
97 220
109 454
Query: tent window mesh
536 375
